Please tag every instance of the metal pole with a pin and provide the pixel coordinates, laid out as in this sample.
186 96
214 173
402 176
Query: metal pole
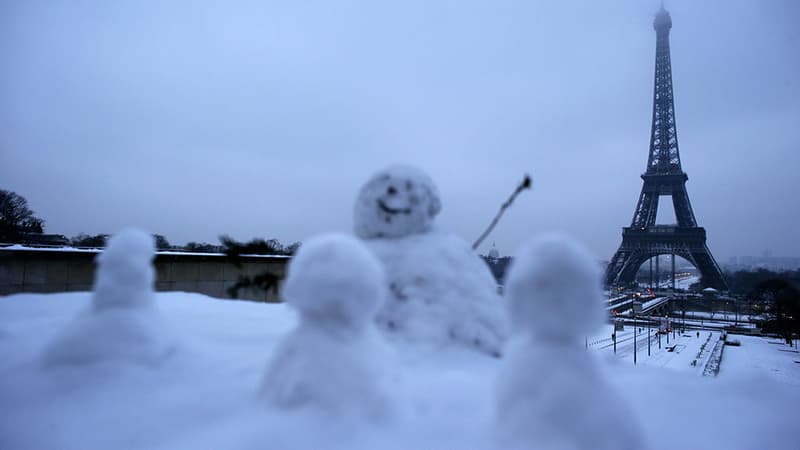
648 338
658 273
659 338
635 329
673 272
651 273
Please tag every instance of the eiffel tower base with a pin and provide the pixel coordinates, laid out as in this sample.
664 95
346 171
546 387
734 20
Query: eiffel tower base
639 245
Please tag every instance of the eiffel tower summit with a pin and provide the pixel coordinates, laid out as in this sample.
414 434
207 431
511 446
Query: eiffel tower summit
645 239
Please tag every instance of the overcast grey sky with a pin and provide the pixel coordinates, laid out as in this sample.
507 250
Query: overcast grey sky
255 118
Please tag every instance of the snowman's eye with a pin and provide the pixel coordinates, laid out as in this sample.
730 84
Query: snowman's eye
391 190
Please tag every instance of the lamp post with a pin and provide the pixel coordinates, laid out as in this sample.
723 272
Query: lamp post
614 336
635 329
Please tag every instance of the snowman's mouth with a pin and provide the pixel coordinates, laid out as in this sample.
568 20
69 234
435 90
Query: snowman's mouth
385 208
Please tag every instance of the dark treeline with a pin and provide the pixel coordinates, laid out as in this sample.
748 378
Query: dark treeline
99 241
776 295
265 281
17 220
745 282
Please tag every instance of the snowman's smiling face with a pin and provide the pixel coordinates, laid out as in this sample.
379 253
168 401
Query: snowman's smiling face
396 202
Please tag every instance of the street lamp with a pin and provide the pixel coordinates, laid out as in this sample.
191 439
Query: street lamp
659 338
635 329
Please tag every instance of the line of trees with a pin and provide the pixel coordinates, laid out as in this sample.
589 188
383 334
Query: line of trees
776 295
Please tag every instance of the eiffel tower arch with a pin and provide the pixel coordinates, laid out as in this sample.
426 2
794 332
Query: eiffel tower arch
664 176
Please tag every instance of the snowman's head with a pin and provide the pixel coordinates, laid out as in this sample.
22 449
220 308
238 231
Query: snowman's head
553 289
397 201
335 281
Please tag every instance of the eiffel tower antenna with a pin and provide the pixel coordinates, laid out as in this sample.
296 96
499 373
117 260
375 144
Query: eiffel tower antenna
664 176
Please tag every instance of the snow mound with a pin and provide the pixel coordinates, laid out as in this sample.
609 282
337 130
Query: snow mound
397 201
551 391
122 323
553 289
330 363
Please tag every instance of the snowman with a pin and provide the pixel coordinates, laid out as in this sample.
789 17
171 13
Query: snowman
552 394
333 361
441 292
122 323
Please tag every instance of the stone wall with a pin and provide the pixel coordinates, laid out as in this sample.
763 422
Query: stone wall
59 270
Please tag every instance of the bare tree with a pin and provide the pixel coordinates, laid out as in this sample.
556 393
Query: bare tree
16 219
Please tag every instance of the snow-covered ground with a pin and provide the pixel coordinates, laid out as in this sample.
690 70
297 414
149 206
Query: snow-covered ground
206 394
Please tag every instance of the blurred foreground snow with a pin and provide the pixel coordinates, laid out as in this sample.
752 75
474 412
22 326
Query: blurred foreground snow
207 395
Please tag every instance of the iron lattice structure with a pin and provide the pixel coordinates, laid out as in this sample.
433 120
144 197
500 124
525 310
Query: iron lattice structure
664 176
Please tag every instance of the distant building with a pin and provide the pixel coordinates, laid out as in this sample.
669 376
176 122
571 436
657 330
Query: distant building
497 264
43 239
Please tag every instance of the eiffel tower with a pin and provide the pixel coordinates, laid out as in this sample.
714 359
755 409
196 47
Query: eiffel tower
644 239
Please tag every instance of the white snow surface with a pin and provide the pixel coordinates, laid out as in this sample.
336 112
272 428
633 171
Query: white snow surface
553 296
122 324
334 361
441 293
397 201
208 394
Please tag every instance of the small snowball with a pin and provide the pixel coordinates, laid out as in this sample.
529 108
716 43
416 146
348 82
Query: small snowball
122 323
331 362
553 289
397 201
